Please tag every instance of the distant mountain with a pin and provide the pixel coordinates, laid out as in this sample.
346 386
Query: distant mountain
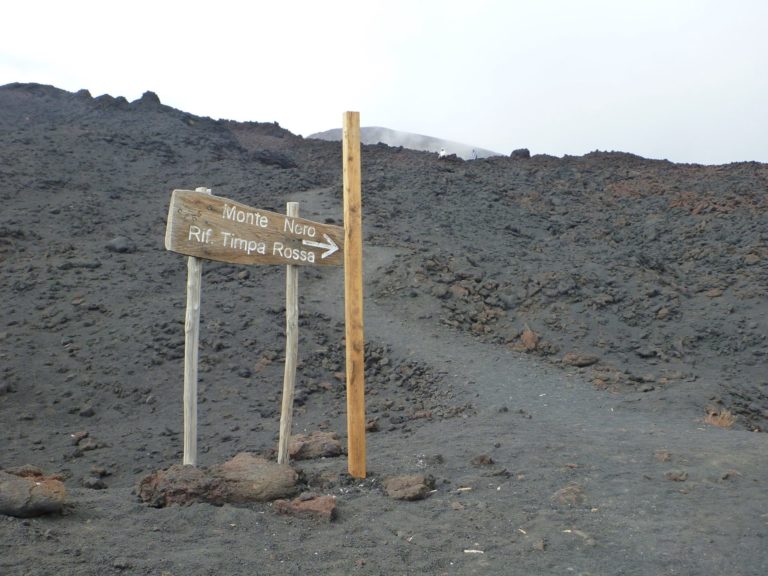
377 134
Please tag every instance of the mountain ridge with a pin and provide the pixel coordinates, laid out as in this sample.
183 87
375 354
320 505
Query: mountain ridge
410 140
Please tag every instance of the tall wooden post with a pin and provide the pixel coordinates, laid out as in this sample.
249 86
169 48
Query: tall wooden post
191 346
353 295
291 348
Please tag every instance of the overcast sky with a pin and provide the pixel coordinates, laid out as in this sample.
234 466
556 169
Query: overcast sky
676 79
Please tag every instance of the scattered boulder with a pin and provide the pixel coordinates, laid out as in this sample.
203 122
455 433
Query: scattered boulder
308 506
314 445
415 487
521 154
25 492
244 478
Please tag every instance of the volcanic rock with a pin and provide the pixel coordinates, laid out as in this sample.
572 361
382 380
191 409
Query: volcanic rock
308 506
314 445
121 245
244 478
26 492
521 153
415 487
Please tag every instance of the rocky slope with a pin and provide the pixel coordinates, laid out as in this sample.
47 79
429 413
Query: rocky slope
545 337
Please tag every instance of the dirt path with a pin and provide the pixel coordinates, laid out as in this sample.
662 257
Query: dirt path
607 484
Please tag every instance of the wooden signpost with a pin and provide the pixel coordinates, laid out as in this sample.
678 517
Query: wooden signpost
216 228
353 295
203 226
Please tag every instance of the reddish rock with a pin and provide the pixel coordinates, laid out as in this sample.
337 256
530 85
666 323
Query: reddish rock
314 445
308 506
459 291
529 339
416 487
244 478
29 493
175 485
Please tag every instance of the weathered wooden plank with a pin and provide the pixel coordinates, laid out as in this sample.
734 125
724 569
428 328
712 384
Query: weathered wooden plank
217 228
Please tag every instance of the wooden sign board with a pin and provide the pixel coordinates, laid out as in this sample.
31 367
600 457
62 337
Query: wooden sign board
216 228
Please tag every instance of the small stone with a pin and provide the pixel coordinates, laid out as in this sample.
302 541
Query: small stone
540 545
100 472
440 291
570 495
529 339
372 425
730 474
580 360
94 483
646 352
121 245
77 437
122 564
25 471
663 455
308 506
314 445
459 291
482 460
676 475
416 487
87 444
87 412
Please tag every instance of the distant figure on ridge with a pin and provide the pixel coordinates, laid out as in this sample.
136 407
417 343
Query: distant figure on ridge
442 153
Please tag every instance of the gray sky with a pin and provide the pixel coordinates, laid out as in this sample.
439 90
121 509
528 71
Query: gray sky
676 79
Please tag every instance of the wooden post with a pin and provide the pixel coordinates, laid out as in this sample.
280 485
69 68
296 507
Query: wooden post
291 348
353 295
191 346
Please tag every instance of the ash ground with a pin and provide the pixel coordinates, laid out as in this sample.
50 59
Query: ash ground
654 272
